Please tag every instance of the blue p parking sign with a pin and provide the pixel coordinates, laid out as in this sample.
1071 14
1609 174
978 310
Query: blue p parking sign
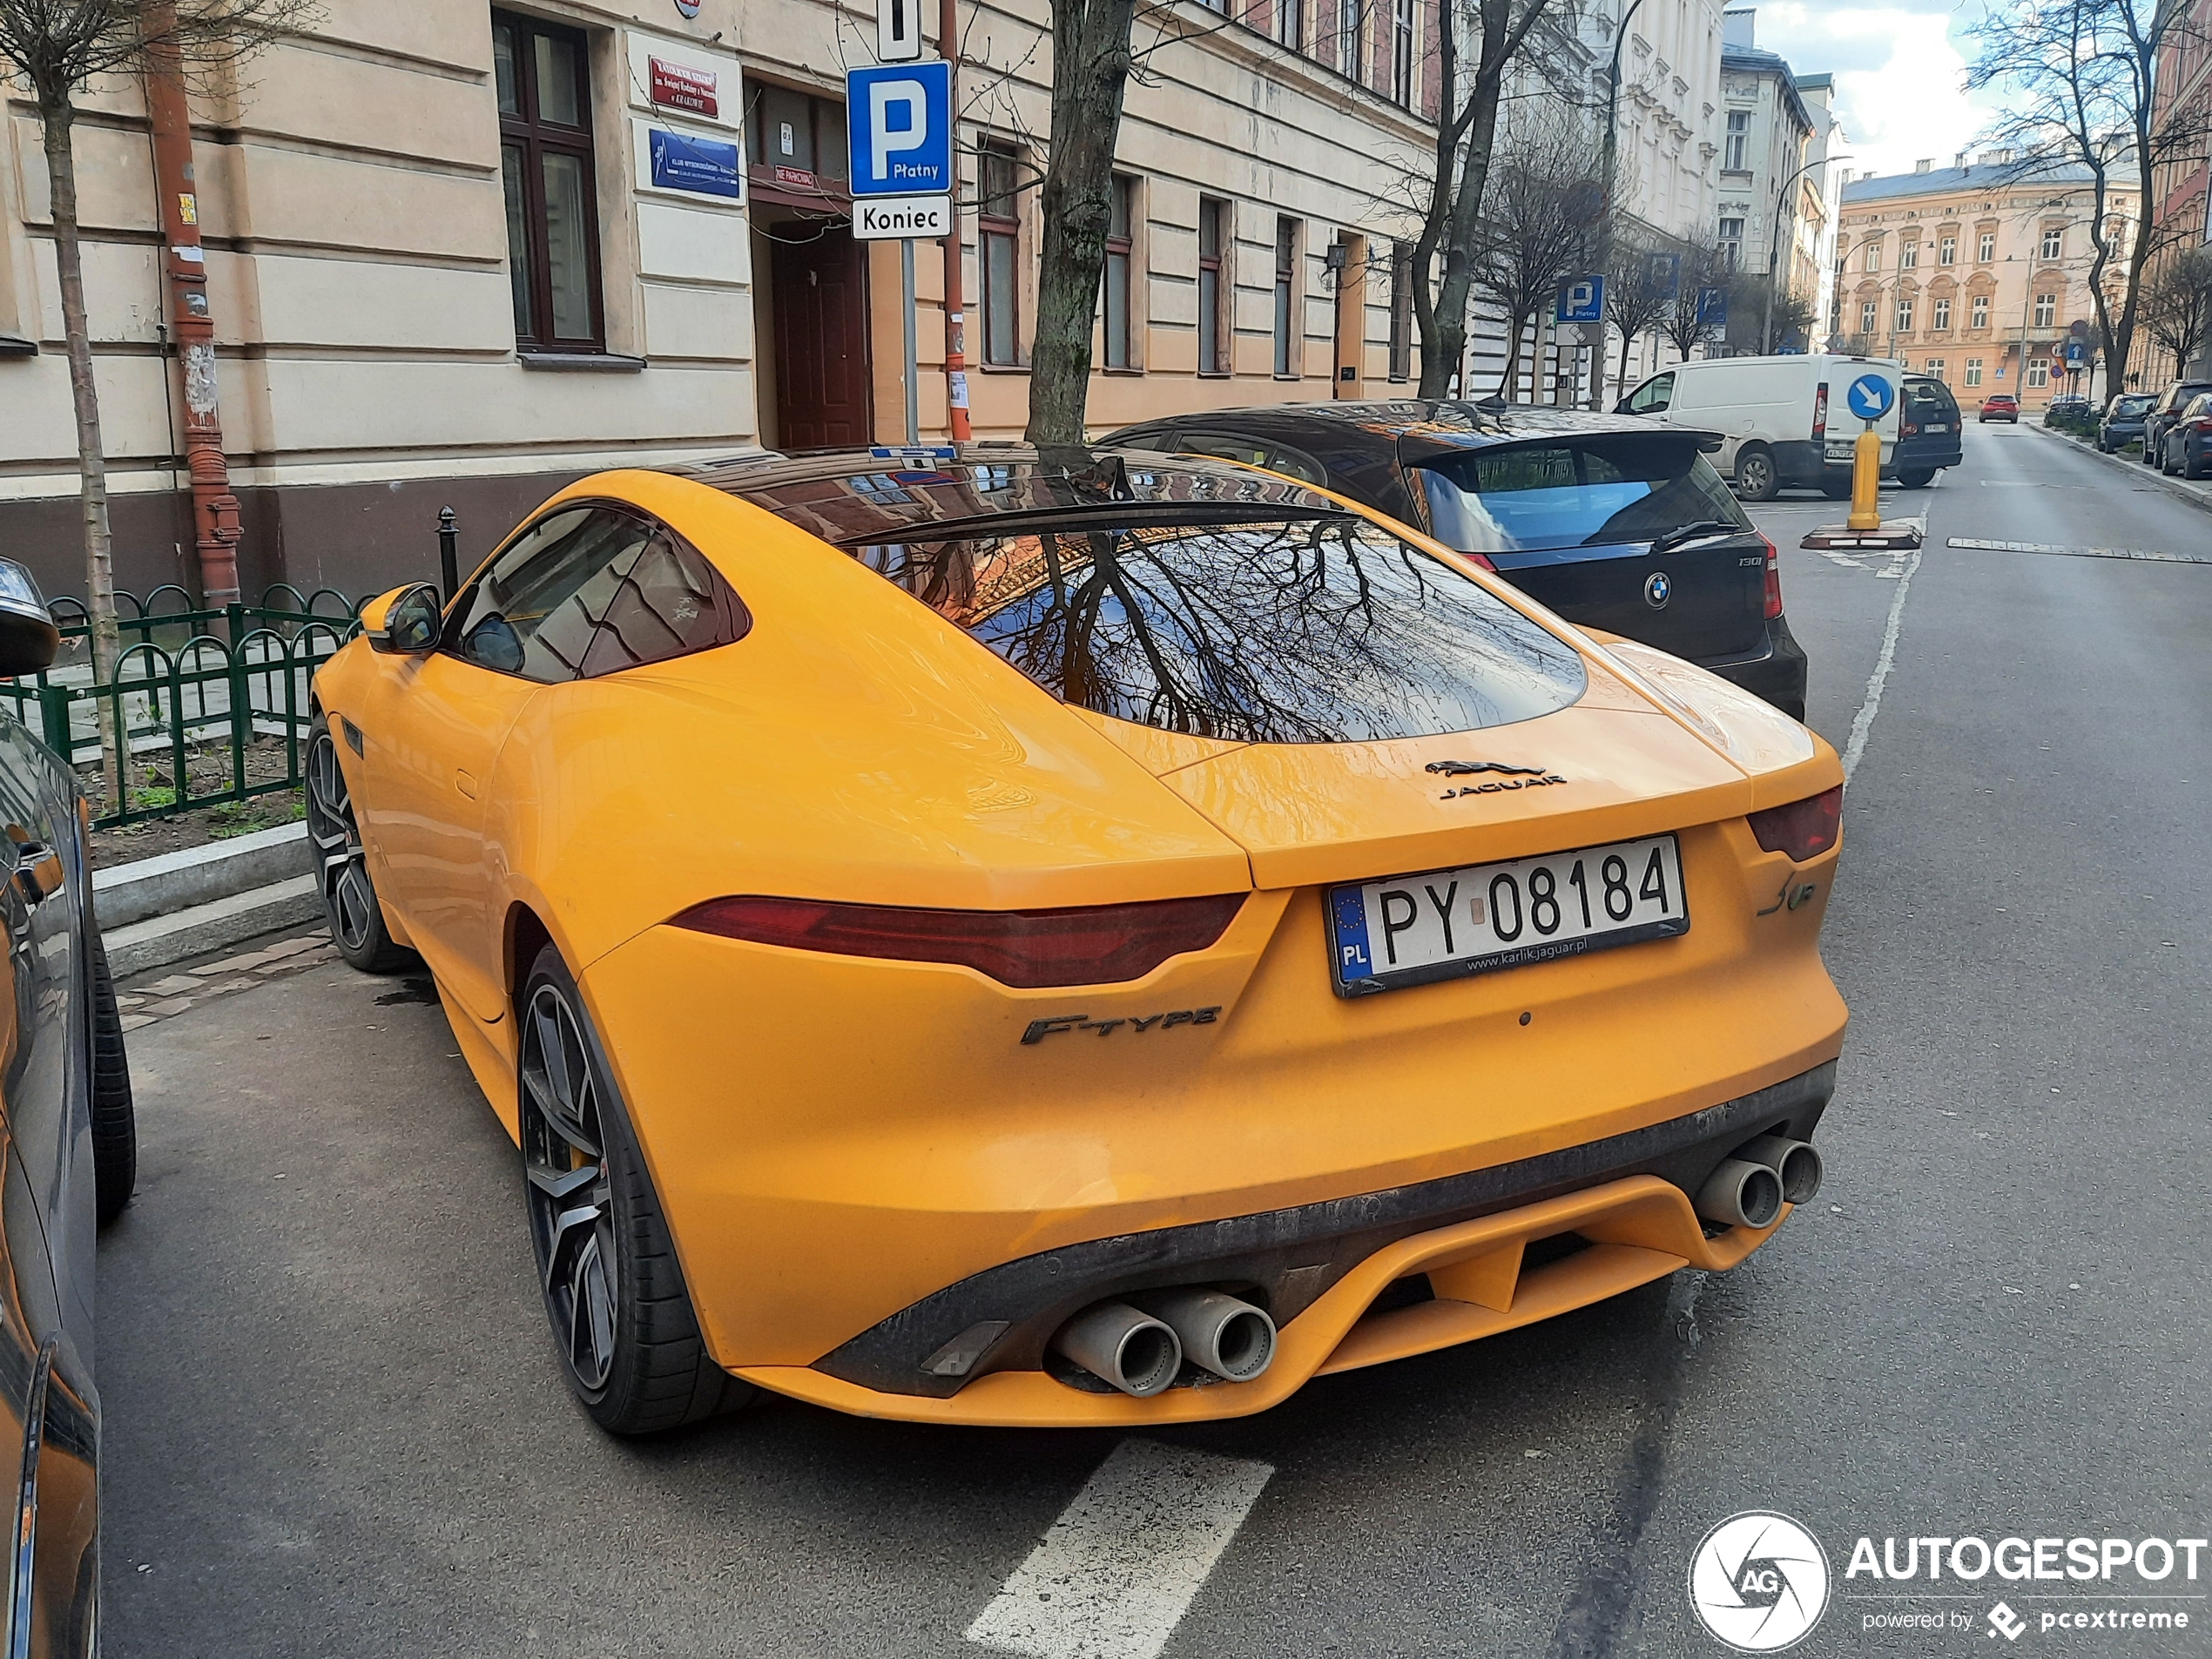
898 121
1870 397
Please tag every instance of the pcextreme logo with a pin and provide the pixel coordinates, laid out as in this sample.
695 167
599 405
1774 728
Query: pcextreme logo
1759 1582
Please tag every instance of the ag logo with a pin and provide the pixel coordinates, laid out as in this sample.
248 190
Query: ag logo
1658 590
1759 1582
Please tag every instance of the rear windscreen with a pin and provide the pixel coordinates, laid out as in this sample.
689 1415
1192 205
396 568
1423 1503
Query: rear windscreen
1326 629
1586 492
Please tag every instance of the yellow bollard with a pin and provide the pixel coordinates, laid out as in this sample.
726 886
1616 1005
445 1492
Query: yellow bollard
1866 482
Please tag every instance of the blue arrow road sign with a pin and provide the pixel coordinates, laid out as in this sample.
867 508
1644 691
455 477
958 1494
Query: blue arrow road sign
1870 396
1712 308
1581 299
898 124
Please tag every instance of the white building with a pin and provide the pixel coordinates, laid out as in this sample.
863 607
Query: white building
1771 213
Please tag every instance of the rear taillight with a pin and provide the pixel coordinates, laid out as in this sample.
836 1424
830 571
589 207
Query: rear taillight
1820 413
1804 829
1773 581
1906 429
1031 949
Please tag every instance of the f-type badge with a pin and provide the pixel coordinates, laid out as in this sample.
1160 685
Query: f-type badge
1658 590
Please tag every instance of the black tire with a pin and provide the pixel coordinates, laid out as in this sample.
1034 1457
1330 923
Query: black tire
614 1290
1755 477
350 906
115 1121
1918 478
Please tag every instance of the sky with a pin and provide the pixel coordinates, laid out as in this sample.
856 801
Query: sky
1899 70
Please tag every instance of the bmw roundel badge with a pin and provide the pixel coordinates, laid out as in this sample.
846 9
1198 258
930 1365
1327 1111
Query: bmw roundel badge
1658 590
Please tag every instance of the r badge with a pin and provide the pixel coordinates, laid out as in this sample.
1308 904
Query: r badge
1658 590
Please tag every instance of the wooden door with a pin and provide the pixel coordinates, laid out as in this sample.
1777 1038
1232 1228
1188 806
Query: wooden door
822 393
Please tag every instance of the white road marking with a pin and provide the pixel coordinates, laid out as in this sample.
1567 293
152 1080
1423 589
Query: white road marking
1863 723
1119 1569
2081 552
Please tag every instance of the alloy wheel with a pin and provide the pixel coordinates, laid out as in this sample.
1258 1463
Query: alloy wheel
348 901
570 1202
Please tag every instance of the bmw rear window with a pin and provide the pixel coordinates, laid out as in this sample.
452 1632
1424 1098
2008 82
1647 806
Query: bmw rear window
1597 491
1324 628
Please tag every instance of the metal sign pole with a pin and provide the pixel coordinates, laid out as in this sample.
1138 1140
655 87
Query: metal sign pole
914 391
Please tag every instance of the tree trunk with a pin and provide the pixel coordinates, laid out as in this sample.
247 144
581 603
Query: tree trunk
1620 377
1458 285
92 462
1090 63
1506 382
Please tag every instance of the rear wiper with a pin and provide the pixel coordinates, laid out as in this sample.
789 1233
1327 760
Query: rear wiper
1697 530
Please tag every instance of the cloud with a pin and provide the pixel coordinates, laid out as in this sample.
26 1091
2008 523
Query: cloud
1900 76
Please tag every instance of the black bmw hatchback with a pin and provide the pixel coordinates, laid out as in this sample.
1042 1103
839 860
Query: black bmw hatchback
1608 521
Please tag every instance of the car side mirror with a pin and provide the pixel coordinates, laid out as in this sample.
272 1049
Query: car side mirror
28 639
1621 407
405 621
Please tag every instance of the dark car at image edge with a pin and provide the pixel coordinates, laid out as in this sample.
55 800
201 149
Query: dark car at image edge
2160 417
1608 521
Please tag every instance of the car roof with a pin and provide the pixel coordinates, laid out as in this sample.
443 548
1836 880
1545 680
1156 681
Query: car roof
1440 424
853 497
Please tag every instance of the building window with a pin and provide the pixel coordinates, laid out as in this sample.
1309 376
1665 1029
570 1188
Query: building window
1873 256
2047 310
1973 371
2039 372
1981 311
1290 23
1866 318
1118 353
1401 52
1401 311
1942 321
1904 316
1739 141
1351 49
1286 297
1731 243
1213 289
1935 367
1908 256
1947 251
2053 241
999 231
545 171
1986 249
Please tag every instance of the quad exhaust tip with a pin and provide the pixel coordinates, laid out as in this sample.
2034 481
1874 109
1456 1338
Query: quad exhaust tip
1139 1349
1754 1181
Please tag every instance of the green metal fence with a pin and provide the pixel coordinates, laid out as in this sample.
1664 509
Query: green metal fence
218 697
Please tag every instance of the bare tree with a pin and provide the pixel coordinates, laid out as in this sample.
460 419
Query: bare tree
2077 80
1524 245
1636 299
1466 134
56 46
1688 325
2177 306
1751 326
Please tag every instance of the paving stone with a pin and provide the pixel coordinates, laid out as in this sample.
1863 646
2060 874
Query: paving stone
230 985
175 985
277 967
170 1005
236 964
322 953
132 1021
292 947
127 1000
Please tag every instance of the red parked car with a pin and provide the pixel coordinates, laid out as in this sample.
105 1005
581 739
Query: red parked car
2000 406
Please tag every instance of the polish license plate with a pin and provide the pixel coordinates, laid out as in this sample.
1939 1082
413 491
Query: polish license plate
1938 426
1445 924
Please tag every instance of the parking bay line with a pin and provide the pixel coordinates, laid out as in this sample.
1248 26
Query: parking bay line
1121 1566
2145 554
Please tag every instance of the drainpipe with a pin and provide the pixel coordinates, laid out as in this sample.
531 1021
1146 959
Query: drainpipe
215 526
960 429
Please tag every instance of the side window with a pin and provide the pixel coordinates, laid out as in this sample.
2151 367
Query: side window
534 610
1653 396
668 603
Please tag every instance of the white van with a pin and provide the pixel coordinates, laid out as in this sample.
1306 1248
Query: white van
1782 420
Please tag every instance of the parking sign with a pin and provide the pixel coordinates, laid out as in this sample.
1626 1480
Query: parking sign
898 121
1581 299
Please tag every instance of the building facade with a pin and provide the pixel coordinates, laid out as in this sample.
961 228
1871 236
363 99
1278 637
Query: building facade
1974 274
462 253
1769 211
2181 190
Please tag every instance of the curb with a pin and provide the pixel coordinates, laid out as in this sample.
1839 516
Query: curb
197 929
123 894
2135 469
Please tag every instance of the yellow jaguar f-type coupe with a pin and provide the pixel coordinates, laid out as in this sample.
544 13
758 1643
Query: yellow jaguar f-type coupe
1074 939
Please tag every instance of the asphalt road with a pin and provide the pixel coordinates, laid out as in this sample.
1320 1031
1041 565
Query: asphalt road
334 1424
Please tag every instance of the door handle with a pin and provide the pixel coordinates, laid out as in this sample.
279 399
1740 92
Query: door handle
39 871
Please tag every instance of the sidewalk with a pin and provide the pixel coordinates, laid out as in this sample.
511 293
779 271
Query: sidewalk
2200 492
